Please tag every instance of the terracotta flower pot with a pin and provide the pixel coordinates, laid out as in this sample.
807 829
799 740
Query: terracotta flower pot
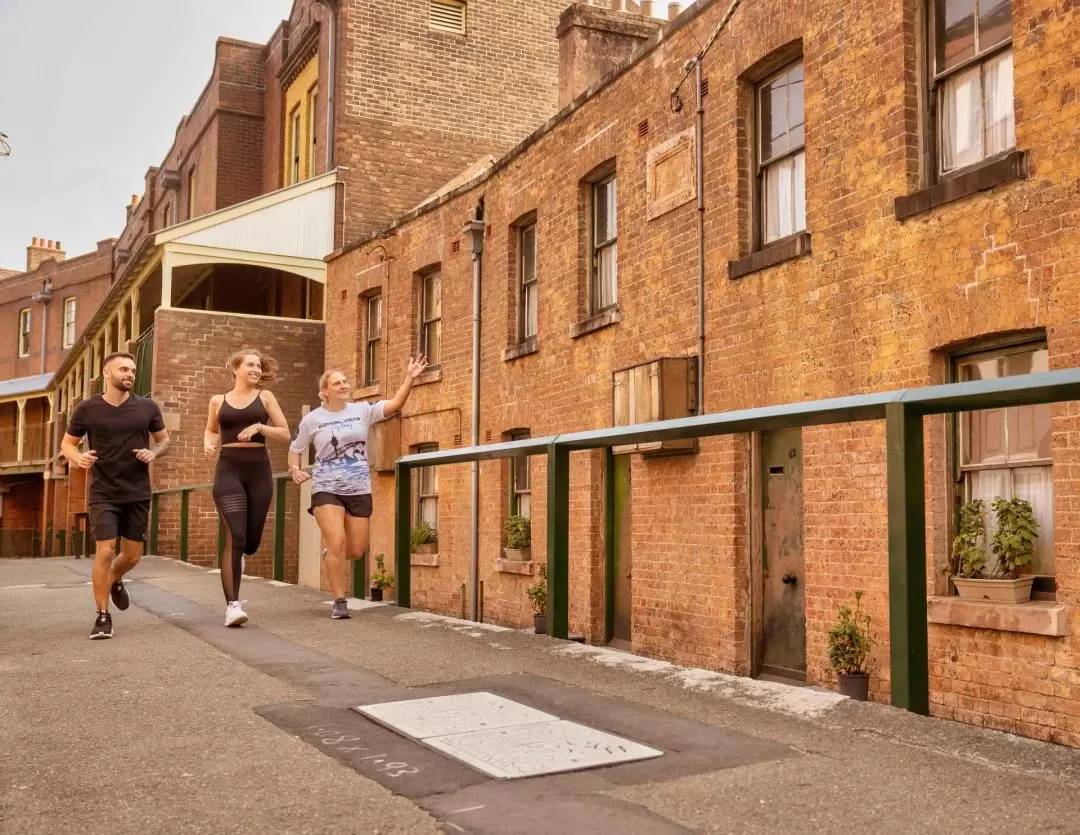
518 554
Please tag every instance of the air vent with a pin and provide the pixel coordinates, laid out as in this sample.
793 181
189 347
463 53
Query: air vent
487 437
455 246
344 294
704 87
457 440
447 16
643 129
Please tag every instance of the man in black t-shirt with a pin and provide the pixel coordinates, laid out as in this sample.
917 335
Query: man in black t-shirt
118 426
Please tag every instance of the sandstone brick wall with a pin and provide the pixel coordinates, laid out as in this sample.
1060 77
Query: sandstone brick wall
878 305
191 348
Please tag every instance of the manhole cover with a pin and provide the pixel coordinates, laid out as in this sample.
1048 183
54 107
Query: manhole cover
503 738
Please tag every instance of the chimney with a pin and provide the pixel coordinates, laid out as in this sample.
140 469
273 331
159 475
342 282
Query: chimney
673 10
41 250
594 41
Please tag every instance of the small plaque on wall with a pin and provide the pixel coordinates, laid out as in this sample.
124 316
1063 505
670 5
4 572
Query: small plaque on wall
670 175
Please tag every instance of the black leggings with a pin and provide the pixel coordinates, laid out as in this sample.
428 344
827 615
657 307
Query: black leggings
243 487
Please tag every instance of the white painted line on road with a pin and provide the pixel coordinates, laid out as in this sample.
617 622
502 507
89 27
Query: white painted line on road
24 586
467 809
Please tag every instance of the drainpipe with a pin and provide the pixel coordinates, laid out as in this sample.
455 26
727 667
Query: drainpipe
44 296
699 143
474 229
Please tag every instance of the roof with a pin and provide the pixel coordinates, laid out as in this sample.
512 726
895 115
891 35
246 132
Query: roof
24 385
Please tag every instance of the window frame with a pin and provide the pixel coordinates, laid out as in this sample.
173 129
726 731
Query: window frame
419 496
598 247
312 99
959 430
191 192
514 494
523 286
25 333
935 94
371 371
73 302
762 166
425 321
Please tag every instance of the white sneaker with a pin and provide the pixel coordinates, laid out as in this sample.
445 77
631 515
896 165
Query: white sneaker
235 615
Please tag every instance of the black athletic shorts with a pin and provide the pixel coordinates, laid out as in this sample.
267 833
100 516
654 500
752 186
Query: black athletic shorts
109 520
354 505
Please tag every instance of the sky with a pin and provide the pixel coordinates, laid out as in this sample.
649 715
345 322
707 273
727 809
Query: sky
91 92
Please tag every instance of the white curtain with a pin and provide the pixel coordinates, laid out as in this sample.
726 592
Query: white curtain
1036 484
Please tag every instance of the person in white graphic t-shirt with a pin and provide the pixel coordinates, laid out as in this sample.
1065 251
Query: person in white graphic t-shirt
341 492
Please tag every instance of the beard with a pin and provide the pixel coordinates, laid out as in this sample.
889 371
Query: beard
125 384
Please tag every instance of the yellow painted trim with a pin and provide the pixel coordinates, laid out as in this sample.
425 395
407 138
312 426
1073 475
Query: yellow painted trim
298 100
248 207
187 255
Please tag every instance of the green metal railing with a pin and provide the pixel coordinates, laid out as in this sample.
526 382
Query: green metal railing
281 480
903 412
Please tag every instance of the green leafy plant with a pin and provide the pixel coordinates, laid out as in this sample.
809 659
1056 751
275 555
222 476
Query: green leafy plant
381 579
1013 543
850 640
518 531
969 544
537 592
422 534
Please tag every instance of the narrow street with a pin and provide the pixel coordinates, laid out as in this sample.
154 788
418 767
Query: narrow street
179 725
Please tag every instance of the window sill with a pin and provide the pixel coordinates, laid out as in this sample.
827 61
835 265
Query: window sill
786 249
526 567
432 375
523 349
429 560
986 175
367 391
605 318
1039 617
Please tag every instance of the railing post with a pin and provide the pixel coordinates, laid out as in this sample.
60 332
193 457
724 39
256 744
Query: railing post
558 564
908 641
279 530
402 514
184 498
609 543
153 525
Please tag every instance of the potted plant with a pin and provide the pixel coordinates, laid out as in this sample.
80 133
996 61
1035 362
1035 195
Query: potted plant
850 642
381 579
518 531
537 593
1013 545
423 538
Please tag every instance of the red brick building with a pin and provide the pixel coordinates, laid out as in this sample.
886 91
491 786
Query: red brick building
44 308
351 114
889 201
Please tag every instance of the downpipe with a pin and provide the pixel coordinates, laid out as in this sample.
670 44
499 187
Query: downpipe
699 148
475 231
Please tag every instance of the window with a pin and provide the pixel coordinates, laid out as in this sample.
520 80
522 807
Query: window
312 110
191 193
167 216
24 332
372 339
431 316
520 484
973 80
605 246
528 291
69 321
427 490
294 146
1006 452
447 16
781 155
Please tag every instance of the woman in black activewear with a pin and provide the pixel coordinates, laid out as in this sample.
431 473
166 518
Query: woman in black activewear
238 425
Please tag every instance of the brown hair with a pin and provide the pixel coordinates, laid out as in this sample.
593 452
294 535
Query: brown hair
268 363
117 355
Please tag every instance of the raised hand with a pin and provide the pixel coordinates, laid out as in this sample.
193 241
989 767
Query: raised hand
416 366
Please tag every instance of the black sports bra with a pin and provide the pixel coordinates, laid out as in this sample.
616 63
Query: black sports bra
232 420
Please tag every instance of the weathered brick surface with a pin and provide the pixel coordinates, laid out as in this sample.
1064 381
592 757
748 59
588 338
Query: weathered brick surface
877 306
185 377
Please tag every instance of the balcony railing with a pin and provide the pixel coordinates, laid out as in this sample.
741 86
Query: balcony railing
35 444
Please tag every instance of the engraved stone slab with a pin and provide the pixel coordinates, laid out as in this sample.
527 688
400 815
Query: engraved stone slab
443 715
540 748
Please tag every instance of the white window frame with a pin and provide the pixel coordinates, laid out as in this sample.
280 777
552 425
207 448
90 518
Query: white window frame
603 297
528 285
427 320
793 157
70 320
427 490
26 329
372 341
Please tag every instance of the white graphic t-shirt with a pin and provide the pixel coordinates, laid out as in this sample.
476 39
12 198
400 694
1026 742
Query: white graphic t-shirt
340 438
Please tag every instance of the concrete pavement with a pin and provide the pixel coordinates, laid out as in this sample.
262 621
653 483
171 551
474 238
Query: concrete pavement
179 725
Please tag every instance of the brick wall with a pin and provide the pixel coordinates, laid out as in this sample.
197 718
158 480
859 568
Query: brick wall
21 518
190 352
877 305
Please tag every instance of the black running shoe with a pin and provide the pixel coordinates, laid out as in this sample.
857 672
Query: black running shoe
119 595
102 626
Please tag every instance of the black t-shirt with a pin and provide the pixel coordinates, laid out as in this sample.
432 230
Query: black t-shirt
115 432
